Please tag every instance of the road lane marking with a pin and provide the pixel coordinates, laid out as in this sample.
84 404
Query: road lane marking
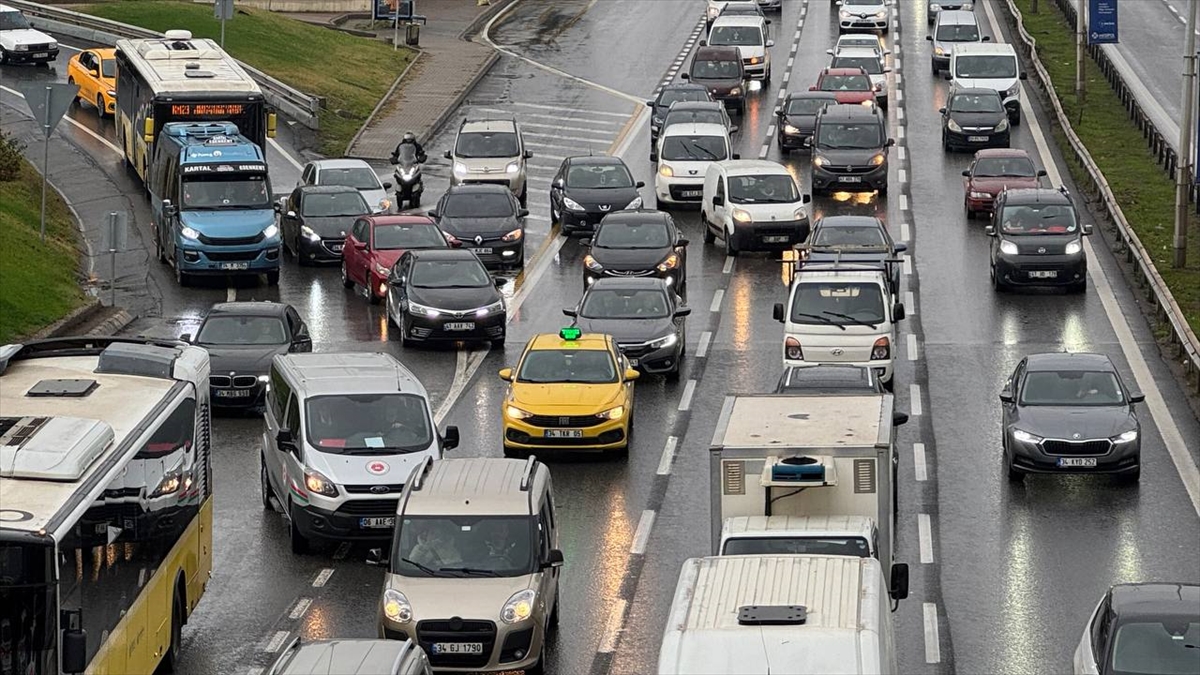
230 294
716 301
914 395
342 550
764 151
910 303
900 114
925 537
904 231
641 536
903 202
668 456
903 176
323 577
73 123
705 339
899 95
900 132
613 627
728 266
256 670
276 641
685 401
912 347
301 607
906 265
899 77
919 468
900 152
459 383
933 651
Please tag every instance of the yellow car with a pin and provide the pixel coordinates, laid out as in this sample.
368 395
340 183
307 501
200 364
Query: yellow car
569 391
95 71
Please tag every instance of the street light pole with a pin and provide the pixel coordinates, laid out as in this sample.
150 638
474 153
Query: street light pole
1183 165
1080 36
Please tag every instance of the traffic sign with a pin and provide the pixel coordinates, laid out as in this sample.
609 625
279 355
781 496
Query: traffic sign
1102 22
48 101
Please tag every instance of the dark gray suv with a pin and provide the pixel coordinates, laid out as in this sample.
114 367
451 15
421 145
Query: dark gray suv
850 149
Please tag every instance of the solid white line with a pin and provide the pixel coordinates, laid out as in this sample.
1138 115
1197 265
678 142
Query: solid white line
705 339
613 627
461 376
904 231
910 303
914 395
668 456
279 148
276 641
925 537
933 650
230 294
903 202
685 401
906 265
301 607
716 301
75 124
728 266
641 536
323 577
902 175
919 468
912 347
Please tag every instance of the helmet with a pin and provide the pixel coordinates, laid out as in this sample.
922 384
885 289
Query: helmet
409 137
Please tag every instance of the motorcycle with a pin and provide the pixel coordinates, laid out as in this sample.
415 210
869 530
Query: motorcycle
409 185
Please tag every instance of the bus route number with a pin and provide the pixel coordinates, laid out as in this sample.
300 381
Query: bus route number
206 109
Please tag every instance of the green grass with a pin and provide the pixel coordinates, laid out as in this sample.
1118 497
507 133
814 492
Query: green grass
351 73
38 282
1144 191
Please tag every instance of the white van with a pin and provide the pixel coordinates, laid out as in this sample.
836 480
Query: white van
342 433
749 35
989 66
841 314
684 153
753 205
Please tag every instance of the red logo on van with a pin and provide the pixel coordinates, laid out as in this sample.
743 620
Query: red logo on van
377 467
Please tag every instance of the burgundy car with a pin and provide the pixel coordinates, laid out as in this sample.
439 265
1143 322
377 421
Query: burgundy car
849 85
375 243
993 170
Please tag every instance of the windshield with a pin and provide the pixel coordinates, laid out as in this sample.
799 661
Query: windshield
359 178
368 424
585 366
716 70
694 117
1144 646
976 103
465 546
1007 167
485 144
737 36
837 304
624 303
406 153
770 189
478 205
108 68
869 42
465 273
862 3
845 83
867 63
317 205
693 148
986 67
653 234
857 236
1071 388
957 33
13 21
409 236
599 177
27 617
670 96
849 136
242 330
202 193
806 106
852 546
1039 219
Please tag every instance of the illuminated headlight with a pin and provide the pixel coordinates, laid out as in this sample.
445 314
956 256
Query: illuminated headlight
980 195
1025 437
867 103
263 379
953 126
800 214
460 169
407 174
664 342
396 607
308 233
188 233
968 6
635 204
612 413
53 45
270 231
497 306
735 91
316 482
820 161
1127 437
935 7
112 93
666 171
1008 248
881 14
591 264
742 216
572 205
414 308
1003 125
878 160
939 51
169 484
755 60
519 607
670 263
512 167
513 235
844 13
379 269
516 413
789 129
1073 248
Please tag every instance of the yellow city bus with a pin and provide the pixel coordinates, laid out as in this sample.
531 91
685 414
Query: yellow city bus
105 503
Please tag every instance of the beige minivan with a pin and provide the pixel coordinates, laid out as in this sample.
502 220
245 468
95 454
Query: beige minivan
474 564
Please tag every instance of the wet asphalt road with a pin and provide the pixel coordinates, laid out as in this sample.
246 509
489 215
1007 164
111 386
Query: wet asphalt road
1009 573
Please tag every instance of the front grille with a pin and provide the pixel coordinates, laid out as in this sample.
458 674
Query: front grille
457 630
220 380
628 273
1049 250
44 47
1089 447
231 241
239 381
368 489
558 421
369 507
847 169
634 350
232 256
244 381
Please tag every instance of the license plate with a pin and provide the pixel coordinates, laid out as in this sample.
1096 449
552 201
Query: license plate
691 193
458 648
461 325
977 139
849 179
235 266
1047 274
1084 462
483 251
376 523
41 55
336 248
233 393
562 433
634 363
775 239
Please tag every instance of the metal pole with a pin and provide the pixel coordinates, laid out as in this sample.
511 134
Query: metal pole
112 254
1080 35
45 160
222 30
1183 167
396 29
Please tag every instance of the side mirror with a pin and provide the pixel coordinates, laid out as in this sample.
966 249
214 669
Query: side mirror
733 128
891 142
567 311
186 337
522 213
375 558
433 214
929 38
718 200
736 156
987 38
685 76
899 585
942 110
285 441
770 43
93 72
387 185
899 419
779 113
528 154
1006 396
447 155
631 374
74 650
1087 229
450 438
704 43
395 282
682 311
1024 75
506 374
682 242
898 311
1136 397
499 281
777 312
553 559
886 70
901 247
812 87
1041 173
640 184
649 104
290 215
302 343
768 22
805 198
947 77
559 183
990 230
966 173
829 51
168 208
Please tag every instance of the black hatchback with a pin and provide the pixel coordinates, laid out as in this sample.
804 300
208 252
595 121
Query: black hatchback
672 93
487 219
587 188
1037 240
641 243
797 117
973 119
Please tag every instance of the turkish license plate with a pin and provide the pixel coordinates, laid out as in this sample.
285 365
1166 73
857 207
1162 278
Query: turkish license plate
42 55
977 139
376 523
1043 274
1081 462
458 648
336 248
562 433
691 193
461 325
849 179
233 393
235 266
483 251
776 239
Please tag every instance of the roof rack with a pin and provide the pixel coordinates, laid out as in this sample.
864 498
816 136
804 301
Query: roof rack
405 651
418 481
527 477
836 265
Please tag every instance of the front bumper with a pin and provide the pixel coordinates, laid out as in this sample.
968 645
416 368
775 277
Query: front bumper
1019 270
942 62
424 328
324 251
501 642
530 433
883 368
673 277
495 254
346 522
856 23
770 236
581 220
970 140
232 396
42 56
756 71
653 360
858 177
678 190
1047 456
227 259
802 139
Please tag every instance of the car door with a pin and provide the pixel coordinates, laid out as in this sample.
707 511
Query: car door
557 185
548 541
273 420
290 463
398 287
79 74
720 205
1013 385
356 251
289 221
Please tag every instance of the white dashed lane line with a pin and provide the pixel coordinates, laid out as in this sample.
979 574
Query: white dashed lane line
903 202
906 265
276 641
920 470
905 231
705 340
925 538
728 266
914 395
912 347
933 650
668 456
716 301
300 608
641 536
685 401
910 303
323 577
616 618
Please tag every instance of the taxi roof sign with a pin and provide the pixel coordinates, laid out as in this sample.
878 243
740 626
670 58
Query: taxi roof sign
570 333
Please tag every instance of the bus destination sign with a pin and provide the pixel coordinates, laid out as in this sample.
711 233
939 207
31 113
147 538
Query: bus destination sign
207 109
222 168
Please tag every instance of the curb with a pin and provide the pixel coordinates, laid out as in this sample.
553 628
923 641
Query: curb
113 324
384 99
65 325
481 20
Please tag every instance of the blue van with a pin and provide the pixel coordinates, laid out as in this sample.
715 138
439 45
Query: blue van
211 198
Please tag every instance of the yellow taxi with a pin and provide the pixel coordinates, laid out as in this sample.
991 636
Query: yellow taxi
569 391
95 71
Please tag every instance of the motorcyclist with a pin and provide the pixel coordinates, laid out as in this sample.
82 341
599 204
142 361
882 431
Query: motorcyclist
409 138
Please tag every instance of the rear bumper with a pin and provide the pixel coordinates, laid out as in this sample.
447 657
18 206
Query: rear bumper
1016 270
756 236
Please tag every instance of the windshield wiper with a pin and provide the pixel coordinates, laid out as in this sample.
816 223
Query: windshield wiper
470 570
421 567
852 319
818 317
702 149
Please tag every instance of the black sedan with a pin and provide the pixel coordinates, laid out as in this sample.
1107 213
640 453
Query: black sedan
973 119
853 239
587 188
445 295
241 339
797 118
486 219
1070 413
829 379
643 315
314 221
640 243
669 94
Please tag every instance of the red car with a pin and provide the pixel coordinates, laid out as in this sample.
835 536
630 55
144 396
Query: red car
849 85
994 170
376 242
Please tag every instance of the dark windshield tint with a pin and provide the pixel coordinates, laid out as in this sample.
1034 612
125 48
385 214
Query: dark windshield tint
834 302
867 63
465 546
849 136
694 148
585 366
391 237
359 178
826 377
599 176
806 106
478 205
985 67
852 546
694 117
769 189
976 103
1144 646
368 424
845 83
326 205
242 330
632 235
13 21
850 237
624 303
1071 387
715 70
957 33
1039 219
450 274
1009 167
737 36
108 68
670 96
486 144
226 192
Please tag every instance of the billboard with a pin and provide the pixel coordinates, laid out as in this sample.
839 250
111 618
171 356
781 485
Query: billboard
386 10
1102 22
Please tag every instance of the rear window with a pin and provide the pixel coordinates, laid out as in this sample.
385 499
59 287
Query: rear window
806 106
957 33
851 546
716 70
845 83
736 36
867 63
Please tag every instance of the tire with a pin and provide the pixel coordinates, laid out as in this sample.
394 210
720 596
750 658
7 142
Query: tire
265 485
100 111
934 67
514 453
890 385
1015 118
554 218
970 213
182 278
709 235
539 667
730 247
404 341
1133 477
3 57
767 76
299 541
347 282
998 285
498 343
1078 287
273 278
1014 474
158 248
415 200
170 659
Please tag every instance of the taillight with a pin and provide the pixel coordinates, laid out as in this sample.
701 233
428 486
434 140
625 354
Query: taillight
881 350
791 350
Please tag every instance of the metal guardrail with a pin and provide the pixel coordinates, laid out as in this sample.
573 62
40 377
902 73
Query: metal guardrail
1184 339
304 108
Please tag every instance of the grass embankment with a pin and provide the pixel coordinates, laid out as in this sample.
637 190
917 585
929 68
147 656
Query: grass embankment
351 73
1144 191
38 282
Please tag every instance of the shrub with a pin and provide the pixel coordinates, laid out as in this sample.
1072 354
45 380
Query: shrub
10 157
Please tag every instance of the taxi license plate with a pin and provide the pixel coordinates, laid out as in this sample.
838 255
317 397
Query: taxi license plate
461 325
776 239
562 433
233 393
1043 274
376 523
458 648
483 251
1083 462
850 179
977 139
235 266
691 193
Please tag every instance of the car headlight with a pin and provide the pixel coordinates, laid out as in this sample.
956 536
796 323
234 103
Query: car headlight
755 60
881 14
519 607
635 204
22 48
939 51
953 126
878 160
384 204
1127 437
612 413
263 379
742 216
1073 248
513 235
1012 91
1025 436
666 171
53 45
512 167
591 263
112 93
845 14
188 233
800 214
170 484
460 169
968 6
980 195
936 7
316 482
881 350
308 233
1008 247
1003 125
270 231
790 129
820 161
572 204
516 413
497 306
664 342
414 308
396 607
380 269
735 91
670 263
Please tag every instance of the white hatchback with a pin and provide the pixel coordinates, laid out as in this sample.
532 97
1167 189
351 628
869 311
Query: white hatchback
864 15
684 153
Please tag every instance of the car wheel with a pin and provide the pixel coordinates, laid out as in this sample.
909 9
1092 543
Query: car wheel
170 661
554 221
347 282
401 324
520 263
730 247
970 212
934 67
539 667
273 278
1010 468
1015 117
514 453
265 484
890 385
158 247
998 285
299 541
182 278
709 235
1079 286
1134 476
3 57
767 76
100 111
498 343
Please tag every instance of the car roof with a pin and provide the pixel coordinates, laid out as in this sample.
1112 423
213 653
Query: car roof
443 254
396 219
983 48
1068 361
686 106
1037 195
477 188
634 283
595 160
369 656
340 164
325 189
956 17
863 52
476 126
478 485
737 20
851 112
586 341
1156 599
1002 152
859 36
717 53
249 308
350 373
642 215
974 91
753 167
848 221
696 129
857 70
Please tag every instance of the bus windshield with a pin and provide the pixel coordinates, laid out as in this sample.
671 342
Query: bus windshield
203 193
